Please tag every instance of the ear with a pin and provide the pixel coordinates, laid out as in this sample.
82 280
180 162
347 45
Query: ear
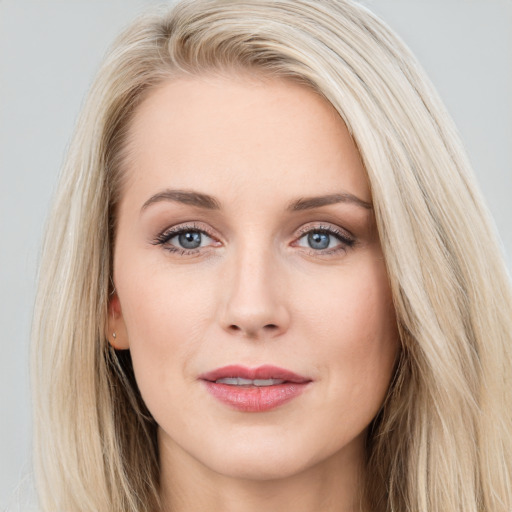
116 334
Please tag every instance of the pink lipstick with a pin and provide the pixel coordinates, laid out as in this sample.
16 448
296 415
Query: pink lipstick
254 389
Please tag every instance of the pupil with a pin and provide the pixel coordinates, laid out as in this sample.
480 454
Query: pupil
318 240
190 240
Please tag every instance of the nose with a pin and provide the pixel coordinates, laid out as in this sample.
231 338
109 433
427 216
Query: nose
254 296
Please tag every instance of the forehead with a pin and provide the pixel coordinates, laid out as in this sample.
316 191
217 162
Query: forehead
241 136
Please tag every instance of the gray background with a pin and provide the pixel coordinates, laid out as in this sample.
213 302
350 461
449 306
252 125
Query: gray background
49 51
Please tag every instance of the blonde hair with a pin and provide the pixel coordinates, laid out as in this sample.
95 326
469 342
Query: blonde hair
443 438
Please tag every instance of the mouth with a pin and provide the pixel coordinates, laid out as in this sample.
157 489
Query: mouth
254 389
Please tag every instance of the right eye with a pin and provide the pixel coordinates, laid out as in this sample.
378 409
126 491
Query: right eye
184 239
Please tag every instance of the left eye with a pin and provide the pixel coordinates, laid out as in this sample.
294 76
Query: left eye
321 239
189 239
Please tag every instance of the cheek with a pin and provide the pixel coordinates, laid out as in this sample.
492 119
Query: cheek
353 326
354 307
158 302
166 314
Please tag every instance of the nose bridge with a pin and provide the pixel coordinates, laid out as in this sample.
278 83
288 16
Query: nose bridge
253 300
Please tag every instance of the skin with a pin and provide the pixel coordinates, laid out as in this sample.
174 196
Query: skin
255 292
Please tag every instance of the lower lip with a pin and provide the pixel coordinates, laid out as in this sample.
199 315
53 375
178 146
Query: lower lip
255 398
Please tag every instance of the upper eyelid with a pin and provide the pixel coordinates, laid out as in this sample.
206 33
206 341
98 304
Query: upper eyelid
186 227
330 228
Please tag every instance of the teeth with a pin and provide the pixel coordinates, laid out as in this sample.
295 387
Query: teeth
267 382
238 381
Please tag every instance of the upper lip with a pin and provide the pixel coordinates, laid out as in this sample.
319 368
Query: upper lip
260 372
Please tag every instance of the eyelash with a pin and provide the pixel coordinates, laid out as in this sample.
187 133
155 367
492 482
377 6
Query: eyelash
165 237
346 240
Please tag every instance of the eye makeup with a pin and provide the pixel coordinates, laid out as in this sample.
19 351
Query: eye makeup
316 239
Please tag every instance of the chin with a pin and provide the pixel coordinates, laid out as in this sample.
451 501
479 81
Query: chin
260 461
258 468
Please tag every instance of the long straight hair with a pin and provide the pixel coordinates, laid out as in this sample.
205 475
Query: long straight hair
443 438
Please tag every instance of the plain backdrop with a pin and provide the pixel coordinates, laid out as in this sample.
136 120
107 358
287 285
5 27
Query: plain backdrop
49 52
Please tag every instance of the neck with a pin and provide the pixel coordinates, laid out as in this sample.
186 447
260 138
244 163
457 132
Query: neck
331 485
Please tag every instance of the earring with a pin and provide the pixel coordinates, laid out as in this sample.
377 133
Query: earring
113 342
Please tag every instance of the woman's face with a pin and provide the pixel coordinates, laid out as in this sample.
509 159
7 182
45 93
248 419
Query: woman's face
246 248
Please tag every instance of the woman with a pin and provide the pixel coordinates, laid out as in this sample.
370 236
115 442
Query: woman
269 280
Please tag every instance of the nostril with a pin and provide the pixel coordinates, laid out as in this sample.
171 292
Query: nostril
267 327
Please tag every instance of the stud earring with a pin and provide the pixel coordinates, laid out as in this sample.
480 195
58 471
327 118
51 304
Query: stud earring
114 335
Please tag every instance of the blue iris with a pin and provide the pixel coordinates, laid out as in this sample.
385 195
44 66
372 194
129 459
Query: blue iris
190 239
318 240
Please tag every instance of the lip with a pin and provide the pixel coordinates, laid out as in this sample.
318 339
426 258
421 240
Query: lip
255 398
266 371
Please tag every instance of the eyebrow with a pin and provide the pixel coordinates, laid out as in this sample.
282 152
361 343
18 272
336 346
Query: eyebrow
185 197
307 203
208 202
